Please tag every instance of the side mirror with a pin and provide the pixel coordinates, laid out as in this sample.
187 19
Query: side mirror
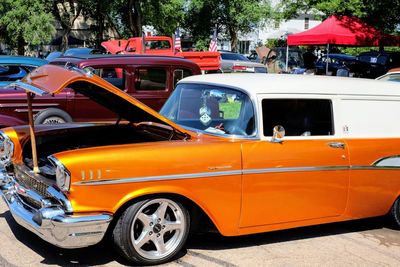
278 134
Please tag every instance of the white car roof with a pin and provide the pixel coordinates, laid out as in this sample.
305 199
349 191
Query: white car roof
258 83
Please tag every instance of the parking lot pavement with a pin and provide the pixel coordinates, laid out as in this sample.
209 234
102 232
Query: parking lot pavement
357 243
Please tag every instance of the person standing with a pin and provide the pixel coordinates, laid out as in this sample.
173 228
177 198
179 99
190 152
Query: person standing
309 61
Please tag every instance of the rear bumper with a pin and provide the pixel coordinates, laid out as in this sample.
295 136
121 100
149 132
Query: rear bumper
51 222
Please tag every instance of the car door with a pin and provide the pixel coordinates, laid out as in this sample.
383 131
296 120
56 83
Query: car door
302 177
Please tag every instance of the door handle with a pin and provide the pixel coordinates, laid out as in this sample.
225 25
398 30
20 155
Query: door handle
337 145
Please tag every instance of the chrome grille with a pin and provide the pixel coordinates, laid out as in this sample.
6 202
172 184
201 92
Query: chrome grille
31 183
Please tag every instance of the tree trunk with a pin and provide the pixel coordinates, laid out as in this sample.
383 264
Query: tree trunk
21 46
66 13
135 17
64 42
100 23
234 39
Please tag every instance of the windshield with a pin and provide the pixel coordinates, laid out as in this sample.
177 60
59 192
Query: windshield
234 56
212 109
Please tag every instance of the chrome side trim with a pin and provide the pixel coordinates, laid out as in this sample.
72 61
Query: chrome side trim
375 168
161 177
296 169
21 105
233 172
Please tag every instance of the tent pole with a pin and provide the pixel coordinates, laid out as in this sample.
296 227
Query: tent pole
287 58
327 58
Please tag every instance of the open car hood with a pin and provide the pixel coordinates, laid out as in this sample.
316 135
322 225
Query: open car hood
51 79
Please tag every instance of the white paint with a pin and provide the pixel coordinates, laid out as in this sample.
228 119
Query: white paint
362 108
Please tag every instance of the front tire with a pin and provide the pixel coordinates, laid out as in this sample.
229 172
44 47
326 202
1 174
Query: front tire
395 213
151 231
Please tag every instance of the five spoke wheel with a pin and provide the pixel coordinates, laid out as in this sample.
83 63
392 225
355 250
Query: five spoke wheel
152 231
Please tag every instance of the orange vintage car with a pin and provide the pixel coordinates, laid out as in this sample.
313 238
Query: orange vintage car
242 154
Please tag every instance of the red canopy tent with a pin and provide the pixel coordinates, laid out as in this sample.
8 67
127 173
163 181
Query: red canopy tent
343 30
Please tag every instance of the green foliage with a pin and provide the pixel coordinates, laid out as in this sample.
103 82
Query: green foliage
25 22
230 16
271 43
383 14
202 44
165 16
357 50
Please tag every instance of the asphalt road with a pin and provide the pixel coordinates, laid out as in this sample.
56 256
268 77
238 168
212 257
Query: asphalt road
358 243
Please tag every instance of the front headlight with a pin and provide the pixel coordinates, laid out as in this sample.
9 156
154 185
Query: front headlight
6 149
63 177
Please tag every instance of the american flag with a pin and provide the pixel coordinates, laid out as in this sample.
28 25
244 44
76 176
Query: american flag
213 43
178 40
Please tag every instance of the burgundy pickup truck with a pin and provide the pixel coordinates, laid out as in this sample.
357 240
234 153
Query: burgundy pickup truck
150 79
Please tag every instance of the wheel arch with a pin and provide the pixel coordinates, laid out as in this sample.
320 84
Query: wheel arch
200 218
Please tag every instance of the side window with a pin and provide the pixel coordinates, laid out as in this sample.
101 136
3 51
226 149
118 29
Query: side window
299 117
150 79
179 74
115 76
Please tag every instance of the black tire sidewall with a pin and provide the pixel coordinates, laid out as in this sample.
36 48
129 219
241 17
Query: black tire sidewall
395 212
41 116
126 245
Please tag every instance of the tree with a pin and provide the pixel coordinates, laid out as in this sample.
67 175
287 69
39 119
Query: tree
129 16
25 22
231 17
66 12
369 10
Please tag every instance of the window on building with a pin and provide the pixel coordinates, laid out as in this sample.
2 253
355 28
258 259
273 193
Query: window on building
150 79
299 117
244 47
306 23
276 24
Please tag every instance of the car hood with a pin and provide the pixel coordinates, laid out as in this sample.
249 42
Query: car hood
51 79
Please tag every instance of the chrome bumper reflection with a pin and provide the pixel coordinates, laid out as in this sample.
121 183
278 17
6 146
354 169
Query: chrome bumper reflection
51 223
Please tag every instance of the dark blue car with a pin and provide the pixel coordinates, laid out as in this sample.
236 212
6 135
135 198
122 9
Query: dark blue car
13 68
336 62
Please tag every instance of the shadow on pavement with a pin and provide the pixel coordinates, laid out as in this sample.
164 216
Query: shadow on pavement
99 254
214 241
103 252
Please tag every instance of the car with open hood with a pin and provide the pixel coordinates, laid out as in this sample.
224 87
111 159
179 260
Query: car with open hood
217 159
151 79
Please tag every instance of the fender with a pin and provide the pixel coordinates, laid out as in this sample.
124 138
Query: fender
226 229
7 121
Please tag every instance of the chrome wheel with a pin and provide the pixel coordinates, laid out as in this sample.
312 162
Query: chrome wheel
53 120
158 228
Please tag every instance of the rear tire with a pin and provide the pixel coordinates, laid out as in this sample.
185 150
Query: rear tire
151 231
395 213
52 116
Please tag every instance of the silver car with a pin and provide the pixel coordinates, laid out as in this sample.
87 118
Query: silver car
234 62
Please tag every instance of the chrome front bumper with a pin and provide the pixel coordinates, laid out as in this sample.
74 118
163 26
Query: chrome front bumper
50 222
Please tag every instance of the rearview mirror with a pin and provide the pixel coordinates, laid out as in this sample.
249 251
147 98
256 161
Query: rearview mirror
278 134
